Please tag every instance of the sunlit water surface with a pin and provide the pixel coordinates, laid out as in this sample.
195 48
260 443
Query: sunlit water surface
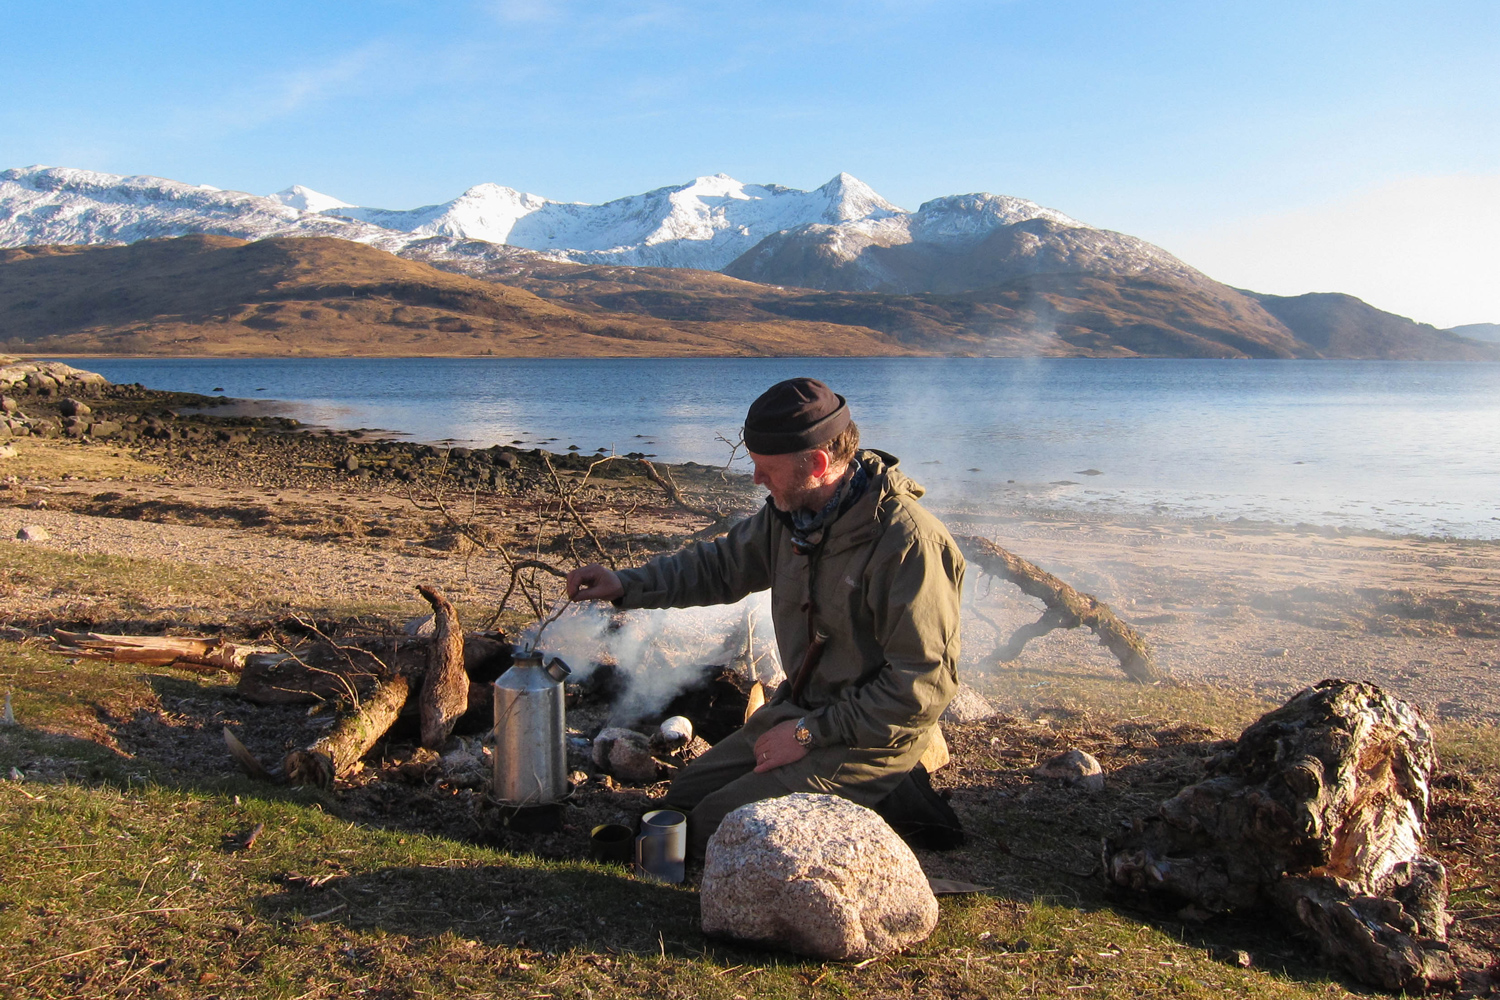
1401 446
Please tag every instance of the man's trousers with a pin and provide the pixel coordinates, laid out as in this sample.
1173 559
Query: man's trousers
724 778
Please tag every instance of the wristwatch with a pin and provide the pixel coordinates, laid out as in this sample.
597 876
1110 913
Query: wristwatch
802 734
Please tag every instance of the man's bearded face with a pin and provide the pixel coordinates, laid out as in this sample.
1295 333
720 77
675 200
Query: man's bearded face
788 478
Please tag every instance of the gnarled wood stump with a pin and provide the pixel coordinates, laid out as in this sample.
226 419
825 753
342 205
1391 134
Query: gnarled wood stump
445 686
1319 812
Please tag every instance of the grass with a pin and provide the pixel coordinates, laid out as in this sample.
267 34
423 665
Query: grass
125 872
43 458
136 584
125 877
121 593
1077 693
143 887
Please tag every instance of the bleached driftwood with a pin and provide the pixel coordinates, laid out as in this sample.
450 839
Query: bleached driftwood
1318 812
188 652
1066 608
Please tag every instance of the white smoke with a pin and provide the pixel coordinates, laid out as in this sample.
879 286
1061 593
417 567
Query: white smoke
661 652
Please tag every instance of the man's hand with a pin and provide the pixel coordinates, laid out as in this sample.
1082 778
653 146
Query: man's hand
778 746
594 583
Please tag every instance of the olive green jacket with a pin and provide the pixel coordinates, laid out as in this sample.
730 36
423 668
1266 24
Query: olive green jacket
885 584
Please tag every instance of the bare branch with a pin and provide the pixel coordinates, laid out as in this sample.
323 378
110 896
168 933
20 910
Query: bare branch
565 497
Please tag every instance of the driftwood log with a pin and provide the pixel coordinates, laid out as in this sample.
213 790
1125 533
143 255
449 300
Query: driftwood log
372 682
1318 812
200 653
1066 608
337 753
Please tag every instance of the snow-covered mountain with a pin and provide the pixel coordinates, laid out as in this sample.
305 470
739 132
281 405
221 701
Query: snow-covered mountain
704 224
41 205
307 200
953 244
841 235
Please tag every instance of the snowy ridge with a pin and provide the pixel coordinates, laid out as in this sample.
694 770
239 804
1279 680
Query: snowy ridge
307 200
841 235
40 205
703 224
952 244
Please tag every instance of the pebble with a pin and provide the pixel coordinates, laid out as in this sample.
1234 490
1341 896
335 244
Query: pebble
33 533
1076 767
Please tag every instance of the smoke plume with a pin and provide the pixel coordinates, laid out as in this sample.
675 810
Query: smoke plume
662 652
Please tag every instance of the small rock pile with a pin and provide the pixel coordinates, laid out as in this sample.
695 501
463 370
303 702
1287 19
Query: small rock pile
46 380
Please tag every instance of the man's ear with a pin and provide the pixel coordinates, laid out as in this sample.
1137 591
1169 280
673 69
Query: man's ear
819 460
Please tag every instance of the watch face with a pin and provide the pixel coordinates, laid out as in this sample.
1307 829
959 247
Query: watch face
803 735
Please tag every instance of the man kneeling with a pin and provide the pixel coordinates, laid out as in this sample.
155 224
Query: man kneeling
864 597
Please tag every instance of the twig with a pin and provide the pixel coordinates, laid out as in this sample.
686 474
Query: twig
565 497
136 913
668 486
71 954
328 913
557 611
734 451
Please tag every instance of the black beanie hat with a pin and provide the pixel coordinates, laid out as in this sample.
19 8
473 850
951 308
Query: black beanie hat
795 415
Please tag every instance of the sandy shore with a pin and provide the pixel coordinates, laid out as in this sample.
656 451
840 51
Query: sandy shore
1270 610
1256 608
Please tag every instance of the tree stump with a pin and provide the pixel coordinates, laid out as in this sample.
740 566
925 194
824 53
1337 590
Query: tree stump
1318 811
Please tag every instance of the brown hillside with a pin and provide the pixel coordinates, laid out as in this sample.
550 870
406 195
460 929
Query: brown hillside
1041 314
1342 326
215 295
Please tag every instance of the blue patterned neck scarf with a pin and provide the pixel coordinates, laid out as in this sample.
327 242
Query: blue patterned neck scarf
809 527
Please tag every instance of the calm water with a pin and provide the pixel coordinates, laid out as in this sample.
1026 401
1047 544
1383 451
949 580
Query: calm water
1404 446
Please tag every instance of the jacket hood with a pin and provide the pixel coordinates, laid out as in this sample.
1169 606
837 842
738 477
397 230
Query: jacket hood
881 468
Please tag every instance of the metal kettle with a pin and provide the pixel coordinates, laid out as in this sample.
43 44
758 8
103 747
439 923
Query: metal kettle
531 761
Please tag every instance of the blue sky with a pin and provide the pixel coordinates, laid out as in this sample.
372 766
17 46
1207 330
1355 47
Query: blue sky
1224 130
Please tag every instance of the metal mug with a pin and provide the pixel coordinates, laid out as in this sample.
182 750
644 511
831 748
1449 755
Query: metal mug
661 848
611 842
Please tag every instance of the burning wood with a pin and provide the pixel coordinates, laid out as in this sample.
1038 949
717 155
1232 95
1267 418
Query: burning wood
1066 608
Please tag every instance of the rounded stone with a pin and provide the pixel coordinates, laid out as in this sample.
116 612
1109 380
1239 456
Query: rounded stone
1076 767
968 705
816 875
626 754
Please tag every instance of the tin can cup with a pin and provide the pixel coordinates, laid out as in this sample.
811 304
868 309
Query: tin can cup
612 843
661 848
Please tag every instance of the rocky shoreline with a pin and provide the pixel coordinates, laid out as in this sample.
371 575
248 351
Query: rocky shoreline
52 400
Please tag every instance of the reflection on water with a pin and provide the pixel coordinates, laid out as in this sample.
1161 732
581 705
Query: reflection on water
1405 446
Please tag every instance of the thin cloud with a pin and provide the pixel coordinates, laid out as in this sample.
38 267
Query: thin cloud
282 94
